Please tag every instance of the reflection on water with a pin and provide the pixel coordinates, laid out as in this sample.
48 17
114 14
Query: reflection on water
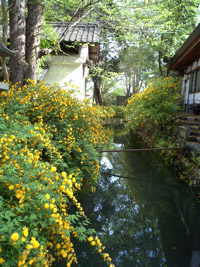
143 215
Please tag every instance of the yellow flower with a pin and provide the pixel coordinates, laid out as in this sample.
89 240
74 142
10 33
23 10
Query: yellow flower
11 187
25 231
47 196
14 237
51 206
35 243
23 239
3 94
46 205
2 260
64 175
54 210
53 169
93 243
29 247
90 239
58 246
62 187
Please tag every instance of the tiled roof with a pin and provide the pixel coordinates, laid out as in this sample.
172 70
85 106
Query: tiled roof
81 32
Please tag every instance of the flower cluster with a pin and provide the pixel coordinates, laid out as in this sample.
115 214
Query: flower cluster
48 142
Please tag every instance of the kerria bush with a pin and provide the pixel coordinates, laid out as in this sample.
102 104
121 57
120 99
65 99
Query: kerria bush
153 110
48 143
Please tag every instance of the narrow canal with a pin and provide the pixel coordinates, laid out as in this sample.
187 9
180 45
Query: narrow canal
143 214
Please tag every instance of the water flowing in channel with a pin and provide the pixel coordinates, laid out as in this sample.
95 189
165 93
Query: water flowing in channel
143 214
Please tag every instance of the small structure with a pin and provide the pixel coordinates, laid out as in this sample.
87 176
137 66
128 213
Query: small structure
121 100
187 62
80 48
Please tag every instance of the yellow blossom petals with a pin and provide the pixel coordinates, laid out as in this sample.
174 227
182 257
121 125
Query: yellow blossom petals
25 231
47 196
46 205
14 237
53 169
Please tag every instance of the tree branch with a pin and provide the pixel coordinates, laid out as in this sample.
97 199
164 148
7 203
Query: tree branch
49 51
9 7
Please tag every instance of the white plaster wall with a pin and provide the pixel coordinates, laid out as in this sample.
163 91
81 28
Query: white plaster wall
186 96
68 68
195 97
194 65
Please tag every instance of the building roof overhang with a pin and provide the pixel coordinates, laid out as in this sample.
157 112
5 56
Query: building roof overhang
188 53
5 52
80 33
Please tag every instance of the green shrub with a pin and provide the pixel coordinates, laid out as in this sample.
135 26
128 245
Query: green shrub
48 142
154 109
120 112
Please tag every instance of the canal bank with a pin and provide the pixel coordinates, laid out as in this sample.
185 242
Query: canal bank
176 153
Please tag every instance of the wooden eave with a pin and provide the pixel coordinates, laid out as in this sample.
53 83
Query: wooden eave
188 53
5 52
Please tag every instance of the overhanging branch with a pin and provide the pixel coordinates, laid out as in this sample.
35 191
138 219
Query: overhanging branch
70 24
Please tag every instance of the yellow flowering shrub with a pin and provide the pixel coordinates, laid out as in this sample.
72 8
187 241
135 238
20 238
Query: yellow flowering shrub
154 108
48 142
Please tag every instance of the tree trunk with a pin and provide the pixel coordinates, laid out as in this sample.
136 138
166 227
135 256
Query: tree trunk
17 40
4 39
97 94
128 84
33 33
159 63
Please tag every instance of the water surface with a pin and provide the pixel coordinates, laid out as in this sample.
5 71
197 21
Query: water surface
143 214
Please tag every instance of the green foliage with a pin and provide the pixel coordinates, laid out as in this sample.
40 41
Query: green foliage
143 35
154 109
120 112
195 159
49 36
48 142
60 10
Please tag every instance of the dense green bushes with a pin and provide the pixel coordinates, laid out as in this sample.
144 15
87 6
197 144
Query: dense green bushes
47 150
153 110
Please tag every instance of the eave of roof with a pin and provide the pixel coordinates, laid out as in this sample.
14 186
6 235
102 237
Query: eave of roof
188 51
81 32
5 52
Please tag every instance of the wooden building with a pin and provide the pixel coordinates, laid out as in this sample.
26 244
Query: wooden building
187 63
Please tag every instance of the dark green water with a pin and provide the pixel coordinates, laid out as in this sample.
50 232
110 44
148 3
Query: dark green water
143 214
